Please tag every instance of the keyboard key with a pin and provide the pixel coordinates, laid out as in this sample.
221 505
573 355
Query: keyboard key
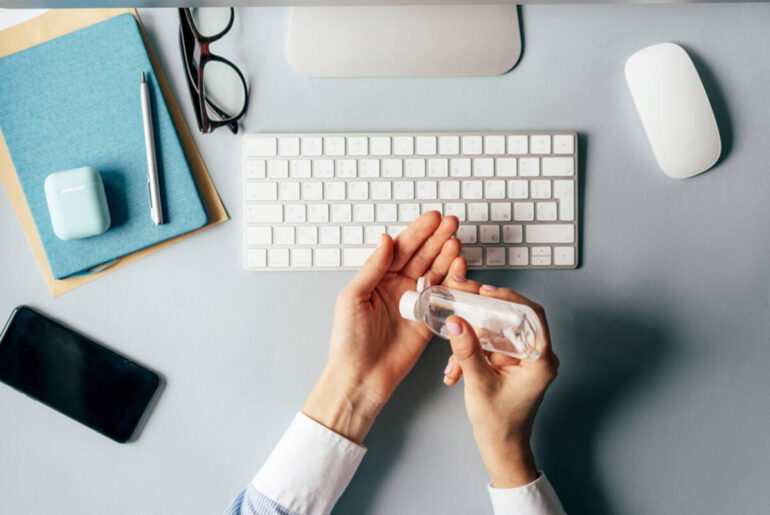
403 190
460 167
395 230
414 167
564 256
358 145
541 251
356 257
392 168
529 166
506 167
258 236
323 168
342 213
494 145
403 145
478 212
495 190
387 212
455 209
471 145
472 255
380 145
329 235
295 213
550 233
284 235
289 191
352 234
518 189
489 233
262 191
426 145
374 234
483 167
299 168
563 144
563 190
449 145
438 167
261 147
307 235
288 146
432 206
427 190
369 167
312 146
312 190
518 256
517 145
334 190
278 257
546 211
408 212
472 190
540 189
278 169
264 213
495 256
346 168
363 212
256 169
541 260
318 213
466 234
540 144
327 258
358 191
301 258
513 233
256 258
500 211
523 211
334 146
381 190
558 166
449 190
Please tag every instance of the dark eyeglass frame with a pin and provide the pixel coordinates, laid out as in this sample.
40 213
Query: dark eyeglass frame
189 34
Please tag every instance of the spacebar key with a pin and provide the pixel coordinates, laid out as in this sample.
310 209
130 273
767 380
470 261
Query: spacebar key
550 233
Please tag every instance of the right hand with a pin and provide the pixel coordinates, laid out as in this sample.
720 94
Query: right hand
502 393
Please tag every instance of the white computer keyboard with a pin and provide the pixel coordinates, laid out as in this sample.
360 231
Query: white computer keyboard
321 201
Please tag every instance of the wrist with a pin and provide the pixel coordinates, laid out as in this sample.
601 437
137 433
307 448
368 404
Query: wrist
510 463
342 406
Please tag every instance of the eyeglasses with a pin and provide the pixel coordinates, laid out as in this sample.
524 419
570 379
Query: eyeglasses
217 87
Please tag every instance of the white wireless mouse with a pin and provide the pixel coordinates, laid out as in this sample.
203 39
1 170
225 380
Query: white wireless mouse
675 111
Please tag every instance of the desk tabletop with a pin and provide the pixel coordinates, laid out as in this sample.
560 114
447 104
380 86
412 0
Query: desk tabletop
661 405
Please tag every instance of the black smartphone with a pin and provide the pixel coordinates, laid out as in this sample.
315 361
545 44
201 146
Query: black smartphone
75 375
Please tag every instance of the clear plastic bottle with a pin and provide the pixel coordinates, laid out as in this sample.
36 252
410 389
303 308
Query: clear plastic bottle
501 326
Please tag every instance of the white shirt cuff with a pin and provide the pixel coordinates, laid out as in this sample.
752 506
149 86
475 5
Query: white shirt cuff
535 498
309 468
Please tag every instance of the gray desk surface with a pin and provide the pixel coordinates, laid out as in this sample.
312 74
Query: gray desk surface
661 405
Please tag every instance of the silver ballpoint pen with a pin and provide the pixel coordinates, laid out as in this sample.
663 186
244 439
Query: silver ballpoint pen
156 210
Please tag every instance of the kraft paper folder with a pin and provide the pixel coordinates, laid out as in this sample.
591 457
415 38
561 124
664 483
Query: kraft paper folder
52 25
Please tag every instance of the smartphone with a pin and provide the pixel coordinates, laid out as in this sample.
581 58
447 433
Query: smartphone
75 375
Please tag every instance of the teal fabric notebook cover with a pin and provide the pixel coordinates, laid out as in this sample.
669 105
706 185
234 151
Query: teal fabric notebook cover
74 101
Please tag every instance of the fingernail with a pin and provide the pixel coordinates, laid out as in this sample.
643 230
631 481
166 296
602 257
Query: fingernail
447 380
459 278
454 329
449 367
489 287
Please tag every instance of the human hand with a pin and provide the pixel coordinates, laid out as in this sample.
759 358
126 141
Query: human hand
502 393
372 346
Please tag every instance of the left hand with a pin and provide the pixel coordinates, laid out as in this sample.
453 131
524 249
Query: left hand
372 346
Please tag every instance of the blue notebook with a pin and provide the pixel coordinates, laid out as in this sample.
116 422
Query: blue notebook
74 101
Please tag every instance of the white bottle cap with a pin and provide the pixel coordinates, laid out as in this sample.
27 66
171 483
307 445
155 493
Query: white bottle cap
409 299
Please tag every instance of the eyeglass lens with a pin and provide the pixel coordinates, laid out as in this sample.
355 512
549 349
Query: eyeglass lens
224 91
210 21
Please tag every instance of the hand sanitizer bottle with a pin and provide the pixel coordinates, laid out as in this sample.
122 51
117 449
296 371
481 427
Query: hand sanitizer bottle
501 326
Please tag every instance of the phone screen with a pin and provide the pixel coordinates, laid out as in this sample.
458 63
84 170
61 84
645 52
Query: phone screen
75 375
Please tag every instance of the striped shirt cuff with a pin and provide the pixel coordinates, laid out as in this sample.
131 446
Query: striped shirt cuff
309 468
535 498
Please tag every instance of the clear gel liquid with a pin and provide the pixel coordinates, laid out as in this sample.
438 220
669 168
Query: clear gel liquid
501 326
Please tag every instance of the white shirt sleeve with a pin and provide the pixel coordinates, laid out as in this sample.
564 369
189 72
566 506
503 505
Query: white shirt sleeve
309 468
535 498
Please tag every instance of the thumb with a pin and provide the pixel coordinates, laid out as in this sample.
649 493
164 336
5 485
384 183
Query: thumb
371 273
467 351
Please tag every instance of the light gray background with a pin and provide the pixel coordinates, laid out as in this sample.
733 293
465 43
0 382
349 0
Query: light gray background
661 405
